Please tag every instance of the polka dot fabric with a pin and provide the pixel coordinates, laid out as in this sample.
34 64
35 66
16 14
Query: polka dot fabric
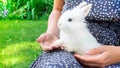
56 59
103 22
107 10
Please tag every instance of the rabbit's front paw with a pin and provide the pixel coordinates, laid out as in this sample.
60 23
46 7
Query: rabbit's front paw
57 42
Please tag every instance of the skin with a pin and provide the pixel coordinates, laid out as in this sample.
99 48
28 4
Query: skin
101 56
51 34
98 57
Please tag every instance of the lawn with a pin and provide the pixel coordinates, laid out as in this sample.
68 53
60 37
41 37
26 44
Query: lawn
18 48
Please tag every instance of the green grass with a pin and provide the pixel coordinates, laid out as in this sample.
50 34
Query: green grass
18 48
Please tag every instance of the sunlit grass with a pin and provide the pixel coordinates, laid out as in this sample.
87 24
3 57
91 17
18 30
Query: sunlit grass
18 48
19 53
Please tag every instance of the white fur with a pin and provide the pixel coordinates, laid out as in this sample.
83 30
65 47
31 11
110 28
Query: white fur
75 35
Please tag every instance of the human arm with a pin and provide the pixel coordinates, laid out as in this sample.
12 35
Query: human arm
101 56
52 32
54 16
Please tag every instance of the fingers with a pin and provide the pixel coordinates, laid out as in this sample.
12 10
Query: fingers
47 41
98 56
41 38
57 46
89 60
44 42
95 51
46 47
99 50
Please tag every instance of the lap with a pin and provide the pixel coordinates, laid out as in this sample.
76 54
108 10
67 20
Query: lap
56 59
60 59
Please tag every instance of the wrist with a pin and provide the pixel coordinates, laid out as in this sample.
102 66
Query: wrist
53 33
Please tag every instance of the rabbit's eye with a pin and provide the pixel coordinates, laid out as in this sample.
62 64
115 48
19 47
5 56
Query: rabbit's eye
69 19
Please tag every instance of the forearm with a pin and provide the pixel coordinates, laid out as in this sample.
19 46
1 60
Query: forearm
54 16
52 22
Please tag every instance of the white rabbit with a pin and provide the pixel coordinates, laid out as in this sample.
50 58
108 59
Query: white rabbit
74 33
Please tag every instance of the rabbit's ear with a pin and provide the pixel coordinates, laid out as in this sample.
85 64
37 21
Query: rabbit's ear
81 5
86 9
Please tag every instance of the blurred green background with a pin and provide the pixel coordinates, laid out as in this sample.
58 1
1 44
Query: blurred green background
21 22
25 9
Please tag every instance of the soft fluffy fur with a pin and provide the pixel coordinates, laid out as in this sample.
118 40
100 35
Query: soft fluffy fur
74 34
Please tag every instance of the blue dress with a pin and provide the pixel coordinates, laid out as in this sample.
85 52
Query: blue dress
103 22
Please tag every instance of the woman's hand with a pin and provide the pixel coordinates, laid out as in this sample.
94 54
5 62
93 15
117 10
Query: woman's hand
101 56
46 40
